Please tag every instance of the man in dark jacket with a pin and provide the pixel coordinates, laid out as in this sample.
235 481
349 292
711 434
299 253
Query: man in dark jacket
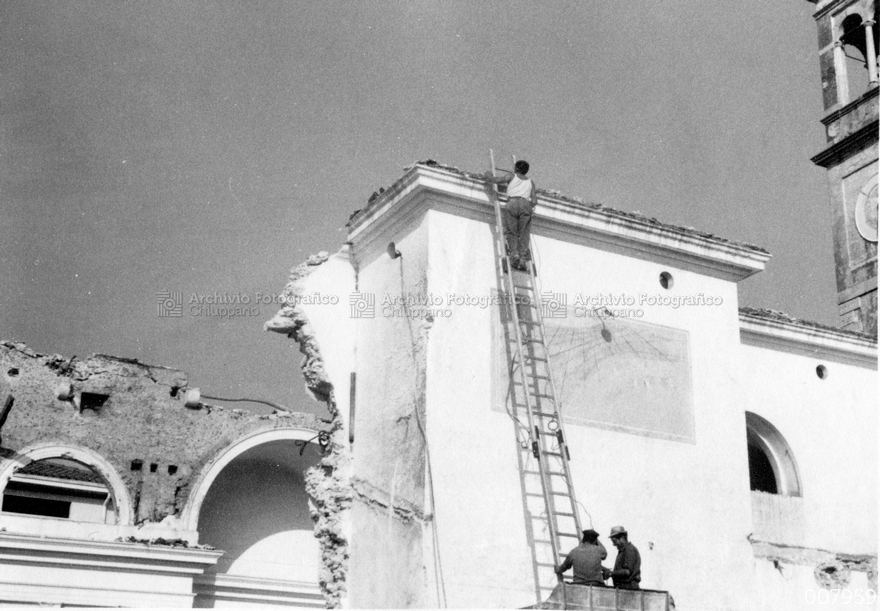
586 559
627 571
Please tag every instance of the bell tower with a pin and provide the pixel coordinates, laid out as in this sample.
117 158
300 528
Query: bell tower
848 43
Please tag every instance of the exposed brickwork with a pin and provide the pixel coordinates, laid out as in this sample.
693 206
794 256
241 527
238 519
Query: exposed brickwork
143 419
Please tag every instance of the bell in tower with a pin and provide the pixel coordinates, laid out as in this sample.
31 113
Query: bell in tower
848 46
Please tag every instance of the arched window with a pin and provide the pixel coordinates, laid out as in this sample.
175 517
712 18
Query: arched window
772 467
59 488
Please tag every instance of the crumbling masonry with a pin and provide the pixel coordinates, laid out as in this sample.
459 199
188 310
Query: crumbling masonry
131 414
327 483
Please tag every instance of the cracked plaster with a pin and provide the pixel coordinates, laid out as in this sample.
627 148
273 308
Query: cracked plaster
144 419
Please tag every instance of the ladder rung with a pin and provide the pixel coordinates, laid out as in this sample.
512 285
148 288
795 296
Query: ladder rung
567 535
567 515
552 454
535 358
543 413
541 494
523 286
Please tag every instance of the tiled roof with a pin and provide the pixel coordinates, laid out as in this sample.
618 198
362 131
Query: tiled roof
47 469
430 163
778 316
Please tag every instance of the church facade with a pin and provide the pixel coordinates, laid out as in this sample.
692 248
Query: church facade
736 445
705 428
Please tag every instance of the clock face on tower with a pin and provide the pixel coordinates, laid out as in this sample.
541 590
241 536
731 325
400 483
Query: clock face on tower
866 211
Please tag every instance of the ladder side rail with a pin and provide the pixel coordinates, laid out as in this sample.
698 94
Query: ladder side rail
557 404
512 307
512 311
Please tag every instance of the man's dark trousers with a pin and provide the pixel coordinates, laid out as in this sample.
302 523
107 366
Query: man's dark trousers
518 228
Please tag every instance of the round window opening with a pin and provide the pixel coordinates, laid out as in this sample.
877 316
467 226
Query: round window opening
666 280
822 372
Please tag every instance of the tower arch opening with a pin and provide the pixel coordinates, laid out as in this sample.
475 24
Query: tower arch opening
857 46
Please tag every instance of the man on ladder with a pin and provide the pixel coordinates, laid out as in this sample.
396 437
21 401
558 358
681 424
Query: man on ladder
522 198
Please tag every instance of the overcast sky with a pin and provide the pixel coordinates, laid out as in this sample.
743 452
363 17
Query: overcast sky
209 147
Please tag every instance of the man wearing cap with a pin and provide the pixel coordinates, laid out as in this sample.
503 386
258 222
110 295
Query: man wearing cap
586 559
627 571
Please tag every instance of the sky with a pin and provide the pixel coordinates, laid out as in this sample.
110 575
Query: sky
209 147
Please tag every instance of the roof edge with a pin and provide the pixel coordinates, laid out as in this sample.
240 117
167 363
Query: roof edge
385 195
604 227
774 329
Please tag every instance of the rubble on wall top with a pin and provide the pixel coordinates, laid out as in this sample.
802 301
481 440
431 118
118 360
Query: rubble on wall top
57 359
165 542
81 370
777 316
577 201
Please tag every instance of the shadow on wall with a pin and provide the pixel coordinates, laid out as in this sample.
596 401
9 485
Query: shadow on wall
257 512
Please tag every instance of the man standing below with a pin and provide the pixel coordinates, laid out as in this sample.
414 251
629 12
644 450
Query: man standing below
627 571
522 198
586 559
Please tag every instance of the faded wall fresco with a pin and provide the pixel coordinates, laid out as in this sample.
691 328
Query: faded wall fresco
613 373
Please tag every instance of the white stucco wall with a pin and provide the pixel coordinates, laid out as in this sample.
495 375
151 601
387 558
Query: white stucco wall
332 282
826 422
830 425
387 566
667 493
686 503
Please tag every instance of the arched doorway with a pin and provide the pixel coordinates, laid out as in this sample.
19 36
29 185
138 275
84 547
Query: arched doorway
257 511
251 502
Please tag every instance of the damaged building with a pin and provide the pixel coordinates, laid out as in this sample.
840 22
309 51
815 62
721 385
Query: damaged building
703 426
121 488
706 428
737 445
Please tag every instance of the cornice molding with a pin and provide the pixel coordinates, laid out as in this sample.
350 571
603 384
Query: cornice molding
808 340
107 554
600 227
857 140
837 113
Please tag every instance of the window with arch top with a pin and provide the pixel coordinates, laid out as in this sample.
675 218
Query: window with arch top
772 467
